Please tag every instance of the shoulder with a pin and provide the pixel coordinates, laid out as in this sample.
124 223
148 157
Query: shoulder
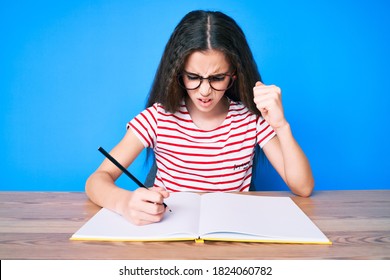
160 114
154 111
160 109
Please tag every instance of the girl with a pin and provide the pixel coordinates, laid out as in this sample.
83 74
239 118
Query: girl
206 113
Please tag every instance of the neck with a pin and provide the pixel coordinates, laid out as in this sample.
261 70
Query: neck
209 120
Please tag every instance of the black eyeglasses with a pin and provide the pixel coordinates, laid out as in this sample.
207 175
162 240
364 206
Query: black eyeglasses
219 82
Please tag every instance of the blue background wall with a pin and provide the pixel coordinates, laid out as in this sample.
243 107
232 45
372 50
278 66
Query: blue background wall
72 73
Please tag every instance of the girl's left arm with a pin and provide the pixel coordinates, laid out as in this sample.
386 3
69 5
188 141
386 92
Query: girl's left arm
287 157
283 151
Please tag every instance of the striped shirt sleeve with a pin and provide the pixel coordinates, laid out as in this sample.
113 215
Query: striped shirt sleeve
144 126
264 132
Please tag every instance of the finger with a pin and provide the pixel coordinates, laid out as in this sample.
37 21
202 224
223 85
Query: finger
142 218
142 197
153 196
262 88
259 84
262 100
263 111
160 190
267 99
144 210
157 189
152 208
149 195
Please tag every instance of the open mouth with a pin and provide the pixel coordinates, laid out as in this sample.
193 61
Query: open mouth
205 101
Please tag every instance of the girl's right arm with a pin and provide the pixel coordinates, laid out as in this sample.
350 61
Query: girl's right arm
141 206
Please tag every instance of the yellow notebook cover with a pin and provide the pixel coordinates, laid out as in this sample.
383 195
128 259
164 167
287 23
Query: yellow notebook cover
212 216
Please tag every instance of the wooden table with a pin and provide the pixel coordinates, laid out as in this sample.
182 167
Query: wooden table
38 225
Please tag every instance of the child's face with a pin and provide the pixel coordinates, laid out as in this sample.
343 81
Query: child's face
205 64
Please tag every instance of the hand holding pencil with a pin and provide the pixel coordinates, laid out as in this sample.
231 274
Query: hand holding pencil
144 205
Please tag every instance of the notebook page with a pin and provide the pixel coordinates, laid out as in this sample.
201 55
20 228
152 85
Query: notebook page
182 222
232 216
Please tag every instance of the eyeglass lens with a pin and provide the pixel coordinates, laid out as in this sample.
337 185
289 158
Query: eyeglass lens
217 82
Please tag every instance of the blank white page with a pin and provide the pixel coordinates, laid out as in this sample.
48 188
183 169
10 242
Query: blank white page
268 218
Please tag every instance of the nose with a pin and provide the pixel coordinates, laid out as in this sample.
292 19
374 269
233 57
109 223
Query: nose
205 88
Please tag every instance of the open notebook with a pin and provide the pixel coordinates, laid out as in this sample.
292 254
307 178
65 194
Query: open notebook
212 216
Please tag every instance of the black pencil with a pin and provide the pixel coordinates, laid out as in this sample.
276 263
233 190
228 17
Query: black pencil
124 170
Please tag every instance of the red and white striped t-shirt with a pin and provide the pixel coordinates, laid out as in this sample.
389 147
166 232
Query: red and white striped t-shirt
192 159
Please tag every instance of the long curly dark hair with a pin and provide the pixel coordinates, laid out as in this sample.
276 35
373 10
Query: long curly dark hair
202 31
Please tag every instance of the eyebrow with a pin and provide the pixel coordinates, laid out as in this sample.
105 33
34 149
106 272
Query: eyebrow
195 74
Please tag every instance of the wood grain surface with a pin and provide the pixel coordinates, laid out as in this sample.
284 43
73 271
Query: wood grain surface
38 225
